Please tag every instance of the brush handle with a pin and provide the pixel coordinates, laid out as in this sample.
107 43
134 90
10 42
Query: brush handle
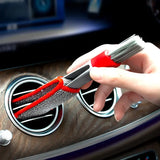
124 50
103 60
82 75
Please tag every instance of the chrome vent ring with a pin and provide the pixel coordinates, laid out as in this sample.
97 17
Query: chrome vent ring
86 98
38 126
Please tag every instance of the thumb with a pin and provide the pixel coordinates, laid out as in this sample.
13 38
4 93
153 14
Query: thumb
117 77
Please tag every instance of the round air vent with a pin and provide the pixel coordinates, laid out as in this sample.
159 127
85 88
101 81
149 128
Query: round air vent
86 97
37 126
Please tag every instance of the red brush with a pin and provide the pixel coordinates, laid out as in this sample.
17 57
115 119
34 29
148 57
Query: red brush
59 90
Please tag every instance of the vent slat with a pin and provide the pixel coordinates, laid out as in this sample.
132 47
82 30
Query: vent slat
37 118
20 107
23 92
107 100
90 91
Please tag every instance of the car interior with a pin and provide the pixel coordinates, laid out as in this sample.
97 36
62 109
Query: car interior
39 40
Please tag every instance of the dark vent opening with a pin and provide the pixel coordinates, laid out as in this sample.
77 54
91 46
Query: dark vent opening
21 90
42 121
86 97
26 87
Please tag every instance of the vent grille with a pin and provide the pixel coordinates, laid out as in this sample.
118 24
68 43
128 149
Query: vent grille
39 125
86 97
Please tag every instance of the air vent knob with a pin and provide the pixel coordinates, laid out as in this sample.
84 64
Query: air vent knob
5 137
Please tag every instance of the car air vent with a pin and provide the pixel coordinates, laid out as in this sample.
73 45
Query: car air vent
37 126
86 97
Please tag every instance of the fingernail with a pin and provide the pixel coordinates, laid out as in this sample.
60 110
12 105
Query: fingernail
135 105
69 69
95 107
116 118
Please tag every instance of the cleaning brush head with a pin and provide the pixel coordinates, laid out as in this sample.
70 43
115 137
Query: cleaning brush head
43 99
127 48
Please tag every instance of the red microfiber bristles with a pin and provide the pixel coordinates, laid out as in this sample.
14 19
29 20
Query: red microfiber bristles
59 86
58 79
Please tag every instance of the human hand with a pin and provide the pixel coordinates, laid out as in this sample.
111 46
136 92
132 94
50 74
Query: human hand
142 80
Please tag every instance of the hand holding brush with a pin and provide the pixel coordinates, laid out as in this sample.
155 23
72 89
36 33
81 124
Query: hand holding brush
63 88
142 80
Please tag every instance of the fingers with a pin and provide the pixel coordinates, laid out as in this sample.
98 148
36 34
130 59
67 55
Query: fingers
138 63
146 84
145 61
116 77
101 94
124 103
